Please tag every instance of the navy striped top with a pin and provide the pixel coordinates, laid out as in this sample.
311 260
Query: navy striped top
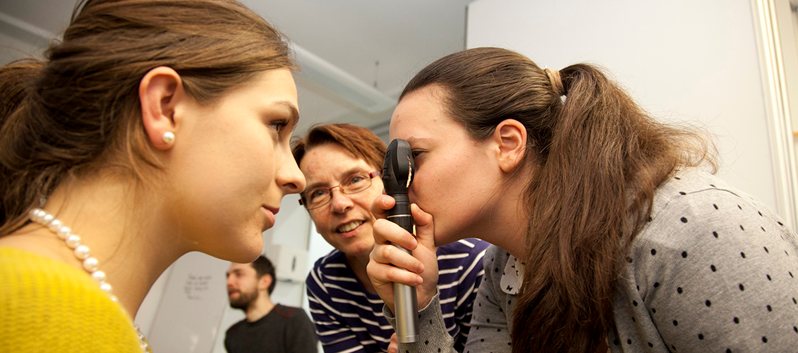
349 319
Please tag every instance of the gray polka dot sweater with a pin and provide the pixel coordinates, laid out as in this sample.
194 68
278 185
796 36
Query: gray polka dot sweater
712 271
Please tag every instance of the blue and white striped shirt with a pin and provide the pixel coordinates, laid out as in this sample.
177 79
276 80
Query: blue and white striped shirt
349 319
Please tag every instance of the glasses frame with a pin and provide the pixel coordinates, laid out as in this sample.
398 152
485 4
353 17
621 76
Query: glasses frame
302 198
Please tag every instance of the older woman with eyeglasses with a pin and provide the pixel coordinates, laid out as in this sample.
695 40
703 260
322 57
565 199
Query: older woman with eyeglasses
342 164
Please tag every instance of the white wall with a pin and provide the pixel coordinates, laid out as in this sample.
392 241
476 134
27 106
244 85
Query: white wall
683 60
794 74
788 15
12 49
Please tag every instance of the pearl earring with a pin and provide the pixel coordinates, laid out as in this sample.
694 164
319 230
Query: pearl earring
168 137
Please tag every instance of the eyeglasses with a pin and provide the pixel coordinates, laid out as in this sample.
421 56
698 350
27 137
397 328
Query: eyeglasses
321 196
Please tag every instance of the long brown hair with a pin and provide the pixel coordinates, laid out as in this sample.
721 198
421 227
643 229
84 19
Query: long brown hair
78 111
599 159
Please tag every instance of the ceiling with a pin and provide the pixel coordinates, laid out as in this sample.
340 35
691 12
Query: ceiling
347 49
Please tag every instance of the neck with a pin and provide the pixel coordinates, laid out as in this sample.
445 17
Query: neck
259 307
508 220
132 244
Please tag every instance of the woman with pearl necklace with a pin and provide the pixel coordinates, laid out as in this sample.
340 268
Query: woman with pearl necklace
152 129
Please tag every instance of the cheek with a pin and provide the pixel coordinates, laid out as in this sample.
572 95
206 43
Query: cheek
220 186
330 238
367 199
434 180
227 158
454 192
431 192
322 225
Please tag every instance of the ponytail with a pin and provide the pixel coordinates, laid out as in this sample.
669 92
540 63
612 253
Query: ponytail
16 82
589 199
18 121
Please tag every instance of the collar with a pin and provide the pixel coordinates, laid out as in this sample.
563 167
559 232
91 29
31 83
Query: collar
513 276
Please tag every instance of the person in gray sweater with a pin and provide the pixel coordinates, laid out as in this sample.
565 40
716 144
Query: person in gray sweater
610 230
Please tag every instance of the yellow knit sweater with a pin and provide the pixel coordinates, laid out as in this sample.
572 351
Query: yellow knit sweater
49 306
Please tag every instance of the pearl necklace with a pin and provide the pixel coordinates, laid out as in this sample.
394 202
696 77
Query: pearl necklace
83 254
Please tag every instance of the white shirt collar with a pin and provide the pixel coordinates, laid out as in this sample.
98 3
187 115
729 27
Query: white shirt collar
513 276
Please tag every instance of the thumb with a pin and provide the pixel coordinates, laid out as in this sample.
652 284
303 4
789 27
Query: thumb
381 204
425 230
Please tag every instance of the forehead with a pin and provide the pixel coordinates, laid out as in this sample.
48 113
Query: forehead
278 81
240 267
420 115
329 162
271 87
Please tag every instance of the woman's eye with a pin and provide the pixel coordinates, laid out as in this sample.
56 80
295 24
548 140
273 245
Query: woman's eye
316 193
278 125
416 153
356 179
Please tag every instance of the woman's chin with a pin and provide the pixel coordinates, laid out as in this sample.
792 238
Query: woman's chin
242 253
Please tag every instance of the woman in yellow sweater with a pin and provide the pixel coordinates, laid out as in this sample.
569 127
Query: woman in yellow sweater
154 128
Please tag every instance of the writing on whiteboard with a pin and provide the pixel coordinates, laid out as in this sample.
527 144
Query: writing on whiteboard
196 286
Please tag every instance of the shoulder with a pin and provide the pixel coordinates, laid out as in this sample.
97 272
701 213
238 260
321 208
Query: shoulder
236 327
334 263
49 279
703 194
288 312
496 255
462 249
711 252
468 245
698 208
50 297
461 256
699 222
332 258
328 272
494 262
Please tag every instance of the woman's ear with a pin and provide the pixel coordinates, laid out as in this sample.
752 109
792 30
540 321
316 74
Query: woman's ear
510 138
159 92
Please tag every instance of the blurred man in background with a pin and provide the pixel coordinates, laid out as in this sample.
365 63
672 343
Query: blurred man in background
268 327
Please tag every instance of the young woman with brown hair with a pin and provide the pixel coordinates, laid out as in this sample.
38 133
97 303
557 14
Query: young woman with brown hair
152 129
609 232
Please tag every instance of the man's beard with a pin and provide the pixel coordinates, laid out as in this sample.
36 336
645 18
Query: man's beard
243 300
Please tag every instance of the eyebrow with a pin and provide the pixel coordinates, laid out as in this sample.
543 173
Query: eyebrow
412 140
345 174
293 112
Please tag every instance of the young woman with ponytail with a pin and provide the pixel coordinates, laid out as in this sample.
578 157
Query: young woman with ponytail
609 230
152 129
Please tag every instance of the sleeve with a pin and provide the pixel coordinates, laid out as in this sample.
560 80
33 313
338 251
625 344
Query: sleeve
488 325
334 336
303 338
719 275
432 336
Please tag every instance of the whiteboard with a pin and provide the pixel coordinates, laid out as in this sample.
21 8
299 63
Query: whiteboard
191 306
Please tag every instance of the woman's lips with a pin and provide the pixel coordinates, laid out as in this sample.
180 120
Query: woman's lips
270 213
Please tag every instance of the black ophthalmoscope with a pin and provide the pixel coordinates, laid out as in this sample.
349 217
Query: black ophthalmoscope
397 174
